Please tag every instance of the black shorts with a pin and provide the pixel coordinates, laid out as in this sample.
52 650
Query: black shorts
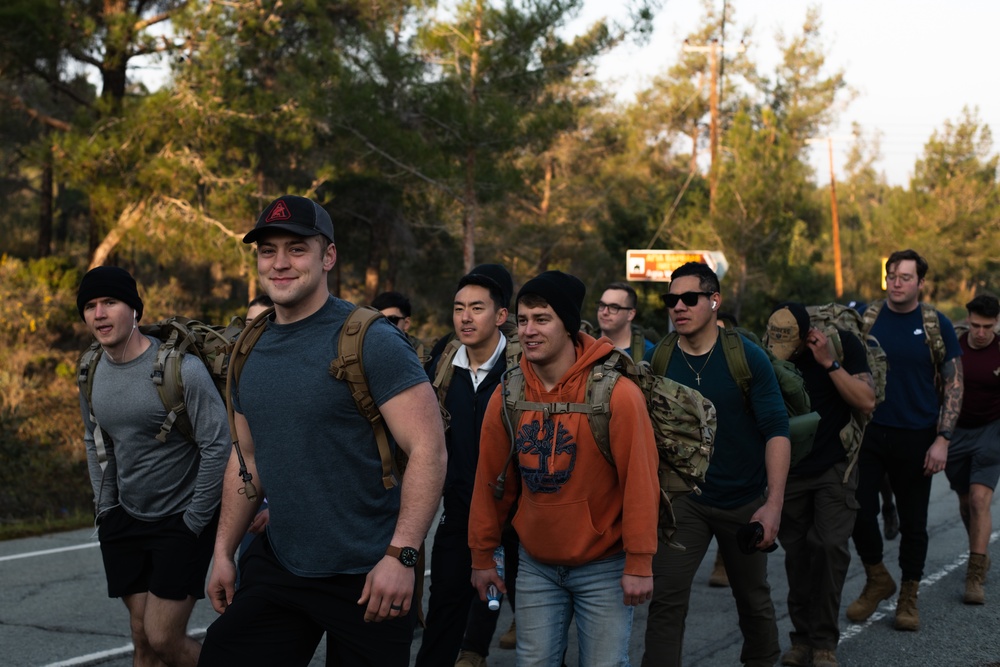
162 557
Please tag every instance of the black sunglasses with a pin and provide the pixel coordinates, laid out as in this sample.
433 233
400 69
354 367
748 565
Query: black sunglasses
690 299
394 319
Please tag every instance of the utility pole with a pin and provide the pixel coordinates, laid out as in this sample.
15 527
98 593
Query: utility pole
838 274
713 49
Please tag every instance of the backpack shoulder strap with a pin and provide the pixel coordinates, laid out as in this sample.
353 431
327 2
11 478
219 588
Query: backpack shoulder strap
870 315
932 334
600 383
638 348
736 359
85 379
167 375
662 353
349 367
237 359
445 371
512 353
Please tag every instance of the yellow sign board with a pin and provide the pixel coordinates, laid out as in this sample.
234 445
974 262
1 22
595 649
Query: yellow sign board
658 265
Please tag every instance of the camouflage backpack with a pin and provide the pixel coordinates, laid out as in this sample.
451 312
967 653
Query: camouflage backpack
831 319
802 420
683 422
637 348
179 336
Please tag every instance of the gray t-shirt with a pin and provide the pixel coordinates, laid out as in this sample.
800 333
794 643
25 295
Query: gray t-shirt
152 480
316 455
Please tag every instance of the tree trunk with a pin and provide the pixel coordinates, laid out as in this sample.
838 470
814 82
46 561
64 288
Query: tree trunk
45 197
470 202
374 262
114 65
128 219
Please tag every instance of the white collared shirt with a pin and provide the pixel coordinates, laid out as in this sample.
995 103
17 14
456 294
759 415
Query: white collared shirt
461 360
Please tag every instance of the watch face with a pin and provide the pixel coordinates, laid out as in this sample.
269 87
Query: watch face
408 556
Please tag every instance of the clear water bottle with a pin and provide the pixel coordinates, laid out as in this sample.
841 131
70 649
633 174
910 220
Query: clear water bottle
492 594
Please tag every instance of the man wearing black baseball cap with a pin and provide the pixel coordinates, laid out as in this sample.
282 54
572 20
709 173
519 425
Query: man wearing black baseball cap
156 494
337 537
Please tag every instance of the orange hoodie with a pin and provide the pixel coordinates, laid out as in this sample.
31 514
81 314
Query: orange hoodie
574 506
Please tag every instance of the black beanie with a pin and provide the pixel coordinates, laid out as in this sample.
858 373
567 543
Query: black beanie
492 277
112 281
563 292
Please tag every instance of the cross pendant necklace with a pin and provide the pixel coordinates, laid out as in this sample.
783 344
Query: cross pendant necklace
697 374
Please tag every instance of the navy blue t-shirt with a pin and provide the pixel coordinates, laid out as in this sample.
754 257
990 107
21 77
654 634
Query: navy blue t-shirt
911 400
737 474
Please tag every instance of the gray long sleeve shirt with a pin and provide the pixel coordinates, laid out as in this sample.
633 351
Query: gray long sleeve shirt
152 480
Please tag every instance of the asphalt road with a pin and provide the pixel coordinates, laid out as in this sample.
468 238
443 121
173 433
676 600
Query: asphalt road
54 609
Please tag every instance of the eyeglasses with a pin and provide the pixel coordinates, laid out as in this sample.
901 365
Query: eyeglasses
690 299
612 308
394 319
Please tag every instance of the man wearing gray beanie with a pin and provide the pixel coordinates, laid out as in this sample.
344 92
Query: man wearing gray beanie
564 483
156 498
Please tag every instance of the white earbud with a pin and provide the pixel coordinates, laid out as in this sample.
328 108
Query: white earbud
714 304
135 318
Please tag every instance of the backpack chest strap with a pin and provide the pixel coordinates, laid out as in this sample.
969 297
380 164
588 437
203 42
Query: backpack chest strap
561 408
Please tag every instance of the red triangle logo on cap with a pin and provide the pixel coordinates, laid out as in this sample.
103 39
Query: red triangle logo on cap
279 212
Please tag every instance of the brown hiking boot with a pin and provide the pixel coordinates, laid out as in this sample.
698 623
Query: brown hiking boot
975 576
825 658
508 640
718 578
470 659
907 616
797 656
878 586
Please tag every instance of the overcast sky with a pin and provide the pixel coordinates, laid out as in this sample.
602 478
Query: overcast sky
914 63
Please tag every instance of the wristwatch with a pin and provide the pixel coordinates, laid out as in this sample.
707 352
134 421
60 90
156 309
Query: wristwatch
945 434
407 555
835 366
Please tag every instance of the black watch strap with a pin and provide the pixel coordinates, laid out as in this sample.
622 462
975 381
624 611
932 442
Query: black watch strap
835 366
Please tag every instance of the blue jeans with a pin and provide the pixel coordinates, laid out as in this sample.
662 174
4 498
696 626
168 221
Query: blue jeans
549 596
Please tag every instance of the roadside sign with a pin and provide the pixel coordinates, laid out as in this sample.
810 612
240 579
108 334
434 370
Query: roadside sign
658 265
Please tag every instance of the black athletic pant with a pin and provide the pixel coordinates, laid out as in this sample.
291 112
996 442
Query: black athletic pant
454 609
900 454
278 618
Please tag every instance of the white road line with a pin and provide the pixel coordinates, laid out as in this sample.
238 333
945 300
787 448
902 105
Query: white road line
104 656
855 629
32 554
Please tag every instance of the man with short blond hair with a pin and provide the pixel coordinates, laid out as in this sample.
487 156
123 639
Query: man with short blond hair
338 553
